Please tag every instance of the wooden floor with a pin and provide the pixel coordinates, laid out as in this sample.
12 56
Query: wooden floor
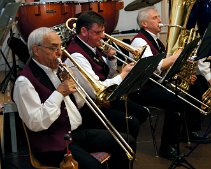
198 157
145 158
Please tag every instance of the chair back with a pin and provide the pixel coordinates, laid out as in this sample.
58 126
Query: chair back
102 157
34 162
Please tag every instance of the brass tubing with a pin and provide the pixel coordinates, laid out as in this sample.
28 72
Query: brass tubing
128 150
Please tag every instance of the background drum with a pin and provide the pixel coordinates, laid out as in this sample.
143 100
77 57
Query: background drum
34 15
109 10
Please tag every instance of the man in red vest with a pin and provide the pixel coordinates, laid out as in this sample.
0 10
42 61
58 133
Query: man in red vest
101 66
50 109
152 94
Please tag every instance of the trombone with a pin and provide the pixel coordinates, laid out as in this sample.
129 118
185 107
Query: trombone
184 92
137 53
92 105
140 53
118 51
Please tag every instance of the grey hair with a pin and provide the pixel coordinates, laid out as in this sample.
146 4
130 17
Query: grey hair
143 14
36 37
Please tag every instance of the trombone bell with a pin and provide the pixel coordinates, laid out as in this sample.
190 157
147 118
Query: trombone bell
137 53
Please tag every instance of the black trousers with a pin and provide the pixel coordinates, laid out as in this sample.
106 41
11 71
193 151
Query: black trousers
157 96
86 141
116 114
193 116
134 109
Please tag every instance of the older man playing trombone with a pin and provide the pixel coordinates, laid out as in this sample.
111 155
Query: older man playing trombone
46 107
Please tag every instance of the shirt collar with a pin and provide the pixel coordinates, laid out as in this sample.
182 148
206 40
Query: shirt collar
93 49
46 69
152 34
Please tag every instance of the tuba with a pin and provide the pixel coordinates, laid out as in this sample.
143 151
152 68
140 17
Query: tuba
178 37
180 12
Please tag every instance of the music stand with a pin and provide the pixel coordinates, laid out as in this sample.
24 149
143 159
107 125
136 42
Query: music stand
137 77
175 68
204 50
6 22
178 64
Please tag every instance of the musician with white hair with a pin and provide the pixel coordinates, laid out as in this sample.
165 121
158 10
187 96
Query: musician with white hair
154 95
50 109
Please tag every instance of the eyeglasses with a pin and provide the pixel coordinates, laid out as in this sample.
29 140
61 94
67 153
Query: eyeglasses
53 49
98 32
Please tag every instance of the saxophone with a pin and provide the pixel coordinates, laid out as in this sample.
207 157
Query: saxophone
183 78
206 99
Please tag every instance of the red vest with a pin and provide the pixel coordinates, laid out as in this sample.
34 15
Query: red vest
51 139
150 41
100 68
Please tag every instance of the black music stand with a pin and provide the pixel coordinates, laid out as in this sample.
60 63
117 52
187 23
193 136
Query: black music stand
6 22
178 64
137 77
204 51
175 68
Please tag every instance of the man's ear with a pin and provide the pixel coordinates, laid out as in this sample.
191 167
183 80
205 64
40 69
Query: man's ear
35 49
144 24
84 31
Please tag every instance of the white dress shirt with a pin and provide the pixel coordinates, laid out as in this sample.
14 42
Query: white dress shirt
139 42
39 116
204 69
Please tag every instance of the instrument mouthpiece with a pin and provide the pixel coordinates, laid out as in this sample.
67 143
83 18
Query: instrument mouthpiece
160 25
102 41
58 60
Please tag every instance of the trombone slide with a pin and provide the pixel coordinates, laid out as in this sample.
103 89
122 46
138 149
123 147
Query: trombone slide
95 109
